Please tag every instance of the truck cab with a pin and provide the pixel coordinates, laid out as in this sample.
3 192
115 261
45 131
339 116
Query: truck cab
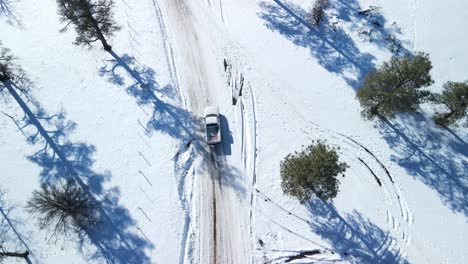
212 125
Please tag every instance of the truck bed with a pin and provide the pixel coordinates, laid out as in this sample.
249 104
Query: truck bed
212 134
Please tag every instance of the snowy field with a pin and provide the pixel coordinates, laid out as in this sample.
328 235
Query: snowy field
126 123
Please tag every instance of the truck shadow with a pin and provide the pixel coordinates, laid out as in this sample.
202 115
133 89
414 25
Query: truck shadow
226 138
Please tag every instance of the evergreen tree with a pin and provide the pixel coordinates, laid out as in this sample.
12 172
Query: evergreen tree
317 12
6 64
11 72
395 86
455 98
93 20
63 207
312 171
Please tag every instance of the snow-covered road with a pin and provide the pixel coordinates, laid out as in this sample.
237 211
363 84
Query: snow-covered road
222 238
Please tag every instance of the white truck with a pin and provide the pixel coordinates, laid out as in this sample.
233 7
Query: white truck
212 125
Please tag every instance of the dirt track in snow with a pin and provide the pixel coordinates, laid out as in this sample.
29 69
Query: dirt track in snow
221 235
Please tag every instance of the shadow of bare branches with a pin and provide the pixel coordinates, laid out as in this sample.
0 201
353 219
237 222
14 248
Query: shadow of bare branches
9 228
439 161
354 237
165 117
58 157
371 25
7 11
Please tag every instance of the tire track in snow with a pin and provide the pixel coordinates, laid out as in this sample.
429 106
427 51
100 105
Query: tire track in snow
403 207
252 136
244 97
413 8
197 82
221 10
183 166
377 179
405 211
168 50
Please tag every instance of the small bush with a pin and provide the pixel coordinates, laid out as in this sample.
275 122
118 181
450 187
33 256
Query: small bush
63 207
317 12
312 172
396 86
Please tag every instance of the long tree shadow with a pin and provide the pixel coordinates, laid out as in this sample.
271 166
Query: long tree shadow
439 161
167 118
58 157
354 237
332 47
9 229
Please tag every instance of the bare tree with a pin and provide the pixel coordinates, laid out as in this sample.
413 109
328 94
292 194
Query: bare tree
93 20
317 12
63 207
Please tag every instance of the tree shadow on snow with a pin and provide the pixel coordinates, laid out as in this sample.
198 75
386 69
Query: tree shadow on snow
9 229
333 48
165 113
58 158
164 117
7 11
354 237
371 25
439 161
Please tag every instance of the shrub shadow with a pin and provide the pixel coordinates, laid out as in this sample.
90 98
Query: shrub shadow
58 157
332 47
354 237
441 165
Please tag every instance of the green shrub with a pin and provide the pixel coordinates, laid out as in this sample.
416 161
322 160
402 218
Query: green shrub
312 172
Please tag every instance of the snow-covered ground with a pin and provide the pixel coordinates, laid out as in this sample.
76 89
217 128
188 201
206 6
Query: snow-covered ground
127 124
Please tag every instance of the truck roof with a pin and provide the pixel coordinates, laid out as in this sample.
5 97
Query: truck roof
211 111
